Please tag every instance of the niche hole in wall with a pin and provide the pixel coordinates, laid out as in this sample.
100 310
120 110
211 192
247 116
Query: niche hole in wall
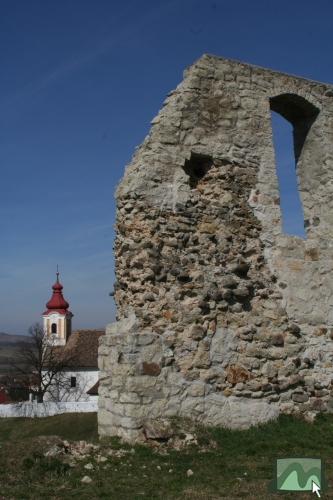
197 167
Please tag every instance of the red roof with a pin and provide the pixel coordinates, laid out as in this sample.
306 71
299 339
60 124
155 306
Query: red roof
57 303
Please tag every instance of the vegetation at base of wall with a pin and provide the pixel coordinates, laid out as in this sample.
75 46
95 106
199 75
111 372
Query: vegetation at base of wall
225 464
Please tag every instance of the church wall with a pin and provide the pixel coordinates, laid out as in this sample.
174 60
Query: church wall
85 380
221 316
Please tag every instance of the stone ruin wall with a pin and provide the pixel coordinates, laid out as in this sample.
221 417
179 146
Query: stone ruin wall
221 316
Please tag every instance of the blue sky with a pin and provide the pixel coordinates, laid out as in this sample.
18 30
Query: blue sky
80 82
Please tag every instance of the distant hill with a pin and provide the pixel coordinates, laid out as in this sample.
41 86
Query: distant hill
7 338
10 346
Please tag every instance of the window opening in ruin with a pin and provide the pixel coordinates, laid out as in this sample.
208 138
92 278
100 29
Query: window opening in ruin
292 118
290 202
196 167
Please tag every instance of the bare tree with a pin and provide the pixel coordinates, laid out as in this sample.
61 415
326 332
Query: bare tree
43 365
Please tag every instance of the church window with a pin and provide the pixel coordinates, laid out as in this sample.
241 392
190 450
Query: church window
54 328
73 381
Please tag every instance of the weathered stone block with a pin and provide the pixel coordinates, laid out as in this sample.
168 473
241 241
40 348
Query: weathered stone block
237 373
196 389
300 397
197 332
152 369
160 429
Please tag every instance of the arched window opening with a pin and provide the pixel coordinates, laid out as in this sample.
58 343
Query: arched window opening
54 328
292 118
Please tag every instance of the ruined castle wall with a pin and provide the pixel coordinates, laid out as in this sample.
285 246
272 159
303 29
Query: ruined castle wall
221 317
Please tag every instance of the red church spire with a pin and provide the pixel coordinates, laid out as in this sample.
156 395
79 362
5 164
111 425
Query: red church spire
57 303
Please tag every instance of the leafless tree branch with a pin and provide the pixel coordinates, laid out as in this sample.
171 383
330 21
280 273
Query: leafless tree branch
43 364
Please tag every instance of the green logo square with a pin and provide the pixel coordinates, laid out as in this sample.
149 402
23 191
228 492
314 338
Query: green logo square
299 474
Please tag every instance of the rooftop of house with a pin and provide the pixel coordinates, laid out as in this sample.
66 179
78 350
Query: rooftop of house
93 391
82 349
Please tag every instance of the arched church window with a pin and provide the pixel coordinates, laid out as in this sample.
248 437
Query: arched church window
54 328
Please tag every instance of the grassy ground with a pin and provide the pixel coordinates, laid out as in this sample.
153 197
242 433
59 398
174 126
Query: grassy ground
225 464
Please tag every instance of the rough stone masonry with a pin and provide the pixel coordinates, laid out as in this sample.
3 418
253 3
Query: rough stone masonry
221 316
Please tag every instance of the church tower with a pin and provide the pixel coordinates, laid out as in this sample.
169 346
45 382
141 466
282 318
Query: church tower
57 319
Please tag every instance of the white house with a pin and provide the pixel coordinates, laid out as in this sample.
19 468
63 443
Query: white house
79 380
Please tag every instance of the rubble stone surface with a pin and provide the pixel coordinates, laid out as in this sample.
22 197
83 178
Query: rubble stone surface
221 317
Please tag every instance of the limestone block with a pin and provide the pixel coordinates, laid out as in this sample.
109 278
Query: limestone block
129 397
157 429
241 414
196 389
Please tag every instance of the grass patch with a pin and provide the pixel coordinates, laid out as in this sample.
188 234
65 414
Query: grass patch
73 426
239 464
38 464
